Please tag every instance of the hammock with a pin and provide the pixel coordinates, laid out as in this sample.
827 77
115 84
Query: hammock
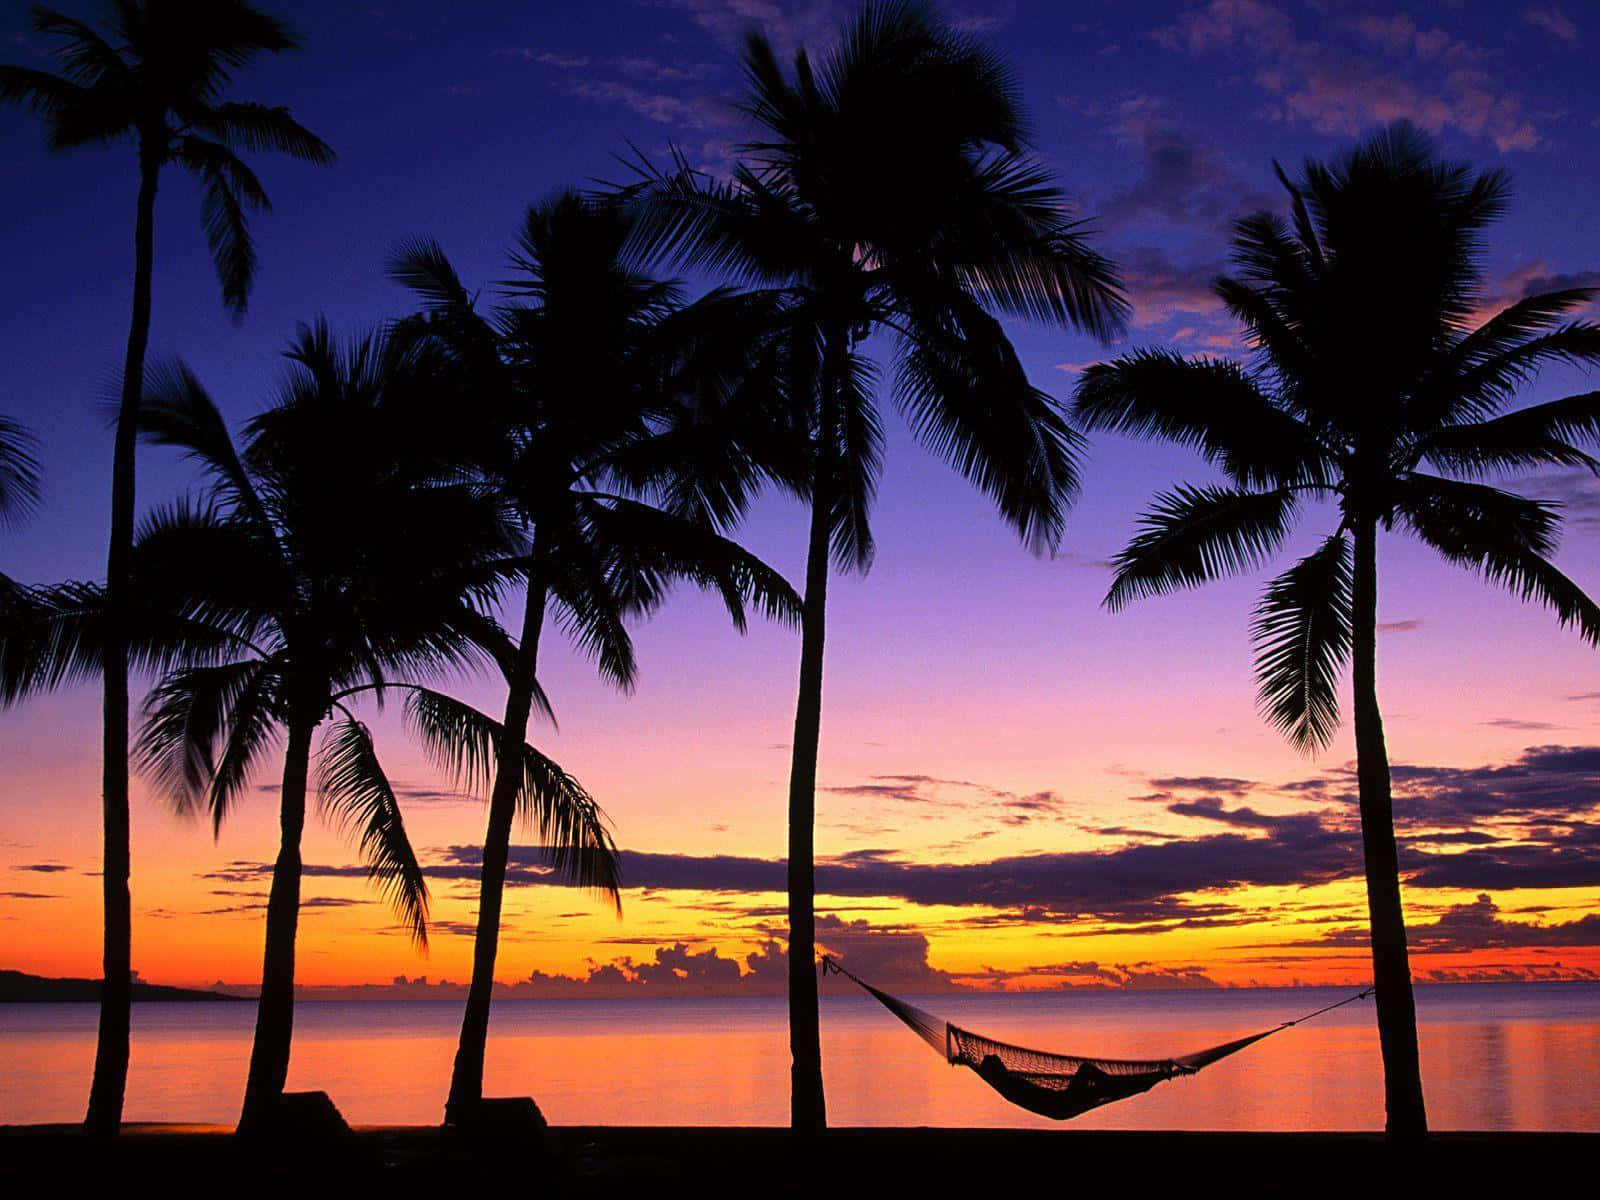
1058 1086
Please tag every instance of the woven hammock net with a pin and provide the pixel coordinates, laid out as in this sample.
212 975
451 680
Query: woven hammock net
1057 1086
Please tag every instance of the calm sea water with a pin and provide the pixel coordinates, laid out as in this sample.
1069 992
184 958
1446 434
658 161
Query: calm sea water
1495 1056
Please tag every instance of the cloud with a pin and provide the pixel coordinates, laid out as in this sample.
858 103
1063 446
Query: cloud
1161 289
1202 783
1410 625
29 896
1008 807
1477 925
1181 181
809 23
1129 883
1554 22
1210 808
1577 492
41 868
891 957
1531 822
1432 79
548 58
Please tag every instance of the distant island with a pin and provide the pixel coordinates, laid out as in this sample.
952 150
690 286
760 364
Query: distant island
16 987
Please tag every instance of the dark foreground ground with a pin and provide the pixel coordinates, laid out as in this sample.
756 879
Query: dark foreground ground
164 1160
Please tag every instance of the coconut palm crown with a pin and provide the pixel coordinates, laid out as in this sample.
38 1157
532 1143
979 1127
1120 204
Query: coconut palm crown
1372 387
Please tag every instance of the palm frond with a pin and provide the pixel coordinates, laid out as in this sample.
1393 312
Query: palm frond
457 738
176 410
207 564
355 795
1302 635
589 608
856 463
738 231
47 95
1527 319
1017 251
230 190
188 714
422 267
86 56
19 472
465 743
647 549
1478 388
1193 535
1538 436
1504 537
1213 406
50 637
967 398
571 827
247 126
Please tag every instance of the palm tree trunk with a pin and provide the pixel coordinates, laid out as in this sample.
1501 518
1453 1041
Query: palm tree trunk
466 1079
808 1112
1391 968
106 1093
269 1054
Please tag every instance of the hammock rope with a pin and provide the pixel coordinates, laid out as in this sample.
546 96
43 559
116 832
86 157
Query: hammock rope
1057 1086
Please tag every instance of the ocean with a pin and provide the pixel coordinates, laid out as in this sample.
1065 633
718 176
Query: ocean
1494 1057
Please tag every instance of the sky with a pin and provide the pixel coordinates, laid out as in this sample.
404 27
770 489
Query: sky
1017 789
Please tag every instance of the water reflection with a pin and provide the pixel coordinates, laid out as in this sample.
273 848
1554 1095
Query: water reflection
1494 1057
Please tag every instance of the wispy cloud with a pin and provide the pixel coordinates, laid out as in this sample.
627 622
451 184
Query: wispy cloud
1428 76
1554 22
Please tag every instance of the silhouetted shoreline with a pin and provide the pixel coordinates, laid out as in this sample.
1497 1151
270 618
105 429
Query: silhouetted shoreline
18 987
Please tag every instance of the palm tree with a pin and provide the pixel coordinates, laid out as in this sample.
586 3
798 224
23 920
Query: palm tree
573 394
891 192
1368 377
154 76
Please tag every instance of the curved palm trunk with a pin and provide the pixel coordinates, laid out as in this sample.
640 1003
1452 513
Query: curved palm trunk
269 1054
106 1093
1391 968
807 1105
466 1079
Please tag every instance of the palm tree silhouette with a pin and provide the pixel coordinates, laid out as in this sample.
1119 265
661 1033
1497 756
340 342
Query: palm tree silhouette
344 562
573 403
891 192
154 76
1368 376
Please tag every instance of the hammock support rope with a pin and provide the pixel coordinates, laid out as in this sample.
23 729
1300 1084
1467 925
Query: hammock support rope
1057 1086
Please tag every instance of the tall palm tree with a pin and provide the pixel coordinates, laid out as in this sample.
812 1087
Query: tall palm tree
1370 388
155 76
891 191
573 399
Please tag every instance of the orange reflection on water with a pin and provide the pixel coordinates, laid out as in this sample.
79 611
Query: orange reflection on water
1494 1057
